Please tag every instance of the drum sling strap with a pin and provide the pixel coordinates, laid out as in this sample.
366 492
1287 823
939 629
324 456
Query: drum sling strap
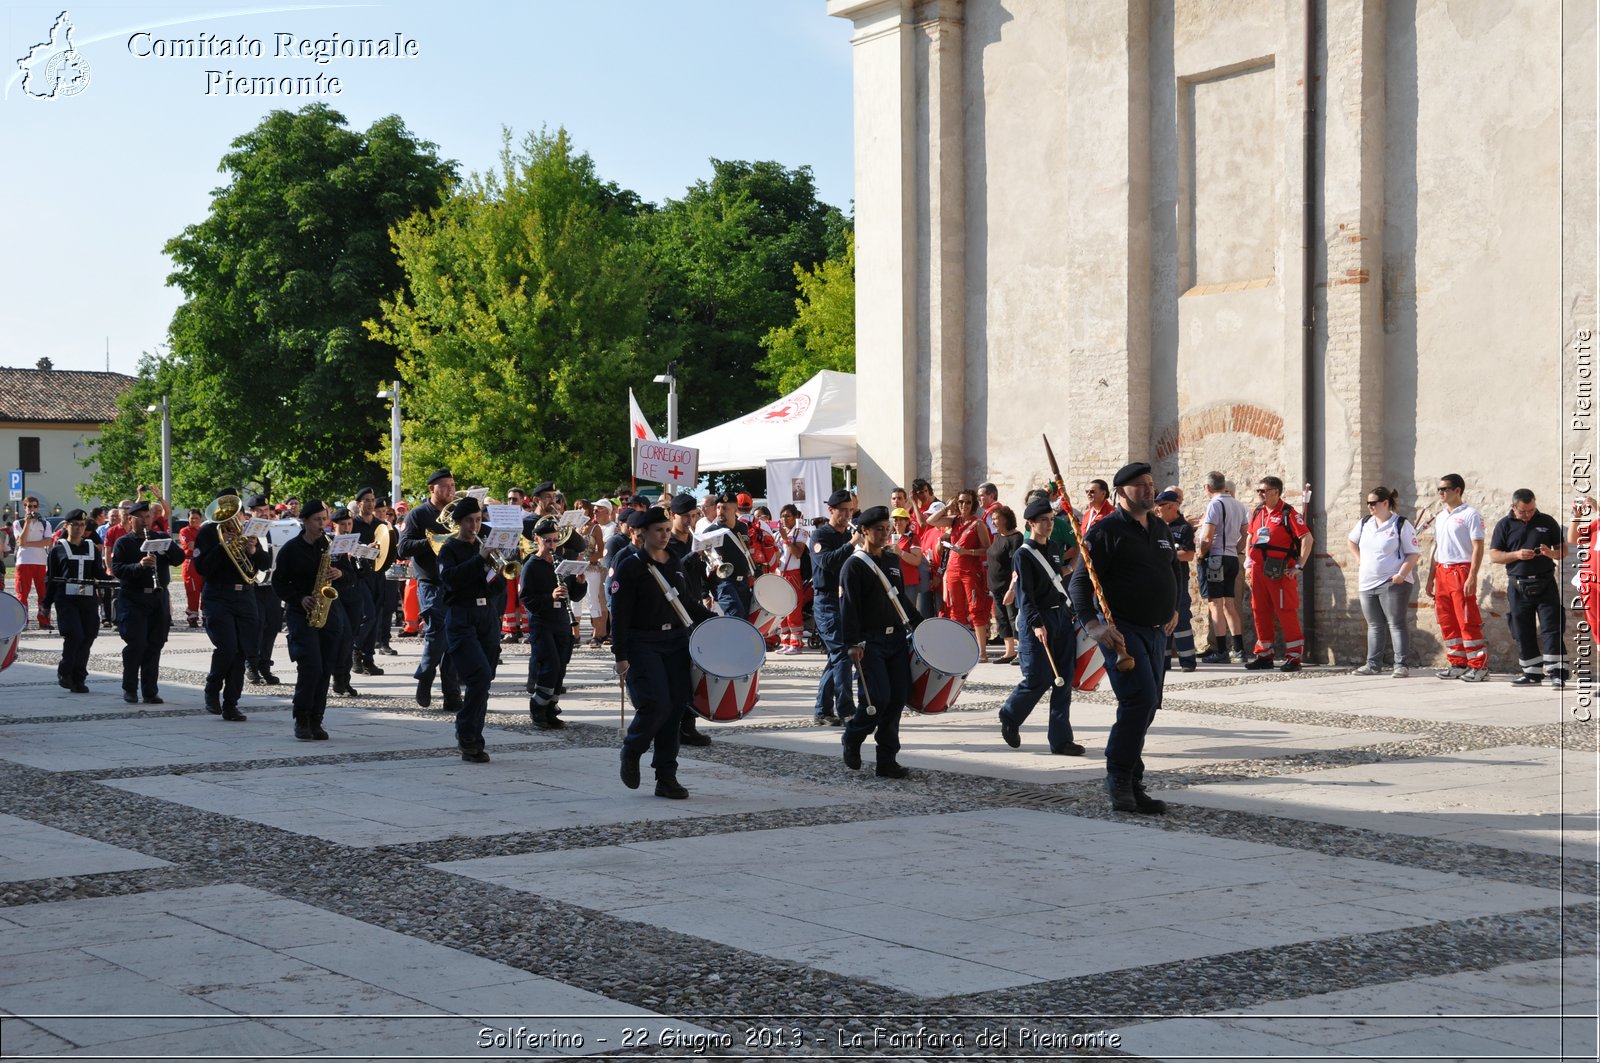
1049 570
670 592
888 588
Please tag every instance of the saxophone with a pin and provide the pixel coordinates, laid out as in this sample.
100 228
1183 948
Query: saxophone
322 593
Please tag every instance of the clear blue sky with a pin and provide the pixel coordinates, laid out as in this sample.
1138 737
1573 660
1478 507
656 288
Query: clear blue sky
94 184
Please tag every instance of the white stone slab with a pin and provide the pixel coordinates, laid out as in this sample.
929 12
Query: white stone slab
239 972
1516 797
388 802
1421 697
31 850
1519 1010
204 739
28 690
1035 883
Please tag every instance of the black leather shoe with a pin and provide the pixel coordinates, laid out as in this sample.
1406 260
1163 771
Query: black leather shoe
154 699
693 737
302 730
318 733
388 650
1011 733
852 755
1526 681
835 721
252 676
268 678
372 667
359 668
670 788
212 707
234 715
892 771
63 682
630 770
474 756
347 691
1071 749
1254 664
80 689
1146 804
424 693
1187 666
133 699
1119 785
1289 666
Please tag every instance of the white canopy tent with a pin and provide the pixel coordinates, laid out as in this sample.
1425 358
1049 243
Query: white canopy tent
815 420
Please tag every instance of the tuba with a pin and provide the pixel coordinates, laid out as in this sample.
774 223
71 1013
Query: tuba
227 513
322 593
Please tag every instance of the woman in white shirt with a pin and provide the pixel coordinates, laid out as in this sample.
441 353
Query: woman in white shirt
1385 545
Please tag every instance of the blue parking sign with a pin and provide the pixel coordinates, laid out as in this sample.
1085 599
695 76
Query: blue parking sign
14 485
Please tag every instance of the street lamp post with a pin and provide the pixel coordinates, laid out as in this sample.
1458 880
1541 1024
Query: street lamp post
393 395
166 446
670 378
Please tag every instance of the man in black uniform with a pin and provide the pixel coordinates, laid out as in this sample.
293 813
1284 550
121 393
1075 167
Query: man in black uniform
1531 544
353 603
70 572
1181 642
875 623
364 642
269 613
830 545
471 624
228 603
393 588
1132 554
733 592
680 543
313 650
144 612
544 596
415 547
1044 619
651 616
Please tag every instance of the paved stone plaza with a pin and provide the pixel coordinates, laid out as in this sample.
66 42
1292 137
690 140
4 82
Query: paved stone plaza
1352 868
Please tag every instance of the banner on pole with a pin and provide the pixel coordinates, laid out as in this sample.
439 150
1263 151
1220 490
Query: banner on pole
666 463
804 482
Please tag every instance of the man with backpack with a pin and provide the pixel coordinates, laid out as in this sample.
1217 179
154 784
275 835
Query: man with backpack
1280 543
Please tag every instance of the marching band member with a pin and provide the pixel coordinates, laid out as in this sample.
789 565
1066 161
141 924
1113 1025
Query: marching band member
680 543
365 641
144 613
228 603
353 601
830 545
313 650
545 597
269 611
465 575
415 547
192 580
793 539
732 592
1044 619
875 620
73 564
651 614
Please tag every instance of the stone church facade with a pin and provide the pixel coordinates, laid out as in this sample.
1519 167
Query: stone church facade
1125 223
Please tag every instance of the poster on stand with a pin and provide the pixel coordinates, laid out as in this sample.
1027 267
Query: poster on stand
805 482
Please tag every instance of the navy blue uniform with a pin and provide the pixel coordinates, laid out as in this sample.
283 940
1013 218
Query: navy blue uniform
829 548
733 592
269 621
648 633
144 613
69 580
549 631
1042 603
228 604
1533 598
313 650
869 620
415 547
472 632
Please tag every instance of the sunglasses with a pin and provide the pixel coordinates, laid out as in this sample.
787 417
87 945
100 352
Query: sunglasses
1442 490
550 540
1371 502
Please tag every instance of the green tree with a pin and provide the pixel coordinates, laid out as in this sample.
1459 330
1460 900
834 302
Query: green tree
727 253
520 322
271 372
823 333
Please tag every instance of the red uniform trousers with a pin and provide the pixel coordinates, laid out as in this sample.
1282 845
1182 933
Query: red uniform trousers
966 598
792 628
411 608
1459 620
32 576
1277 602
514 621
192 584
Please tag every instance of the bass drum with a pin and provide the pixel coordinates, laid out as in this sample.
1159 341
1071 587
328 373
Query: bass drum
1090 666
725 653
775 599
943 654
13 619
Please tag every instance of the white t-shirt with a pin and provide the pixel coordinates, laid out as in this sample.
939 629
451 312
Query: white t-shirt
802 535
1454 533
31 555
1228 516
1384 548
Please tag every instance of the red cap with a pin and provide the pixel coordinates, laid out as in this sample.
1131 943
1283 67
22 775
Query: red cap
744 499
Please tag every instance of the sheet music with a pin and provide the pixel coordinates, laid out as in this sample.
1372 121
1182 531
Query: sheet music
571 568
572 518
156 546
340 545
503 517
256 527
480 493
503 539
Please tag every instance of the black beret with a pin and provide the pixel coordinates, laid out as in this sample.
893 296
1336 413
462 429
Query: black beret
1039 507
383 502
542 488
364 492
257 500
839 498
311 509
1129 473
546 526
684 503
643 518
340 514
137 508
875 515
442 474
75 514
728 498
466 506
228 491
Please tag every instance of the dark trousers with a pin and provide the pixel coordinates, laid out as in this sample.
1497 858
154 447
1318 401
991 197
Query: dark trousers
550 640
1138 694
472 637
834 694
143 620
435 655
393 589
78 617
366 640
734 597
1537 623
312 650
355 602
1037 679
233 627
269 614
658 684
886 674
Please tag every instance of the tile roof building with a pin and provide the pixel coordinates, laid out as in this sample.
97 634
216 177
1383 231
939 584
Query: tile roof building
47 418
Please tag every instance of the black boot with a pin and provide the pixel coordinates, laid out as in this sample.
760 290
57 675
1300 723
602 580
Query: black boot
316 730
1119 784
424 692
667 786
475 755
540 714
251 675
232 714
372 666
630 770
689 734
302 729
267 677
1150 806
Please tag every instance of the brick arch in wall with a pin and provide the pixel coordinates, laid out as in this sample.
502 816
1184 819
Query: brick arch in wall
1216 419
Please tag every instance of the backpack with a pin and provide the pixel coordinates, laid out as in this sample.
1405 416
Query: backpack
1399 529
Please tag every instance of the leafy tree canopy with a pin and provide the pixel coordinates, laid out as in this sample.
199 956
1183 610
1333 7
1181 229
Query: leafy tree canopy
823 333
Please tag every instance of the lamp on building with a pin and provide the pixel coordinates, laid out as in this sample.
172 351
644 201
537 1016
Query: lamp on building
393 395
670 378
166 446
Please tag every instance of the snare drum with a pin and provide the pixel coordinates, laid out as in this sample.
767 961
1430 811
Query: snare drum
943 653
13 618
1090 666
775 598
725 653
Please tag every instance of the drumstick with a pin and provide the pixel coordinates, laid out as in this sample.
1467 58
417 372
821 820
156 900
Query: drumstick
872 710
1124 660
622 712
1053 671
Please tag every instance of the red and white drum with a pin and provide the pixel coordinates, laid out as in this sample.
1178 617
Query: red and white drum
943 654
775 598
725 653
1090 666
13 618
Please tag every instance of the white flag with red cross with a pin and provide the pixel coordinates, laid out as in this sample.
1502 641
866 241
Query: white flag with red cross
638 427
